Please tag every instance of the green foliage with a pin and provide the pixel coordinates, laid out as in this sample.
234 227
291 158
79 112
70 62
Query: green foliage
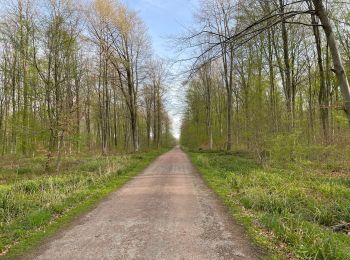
24 170
297 206
31 201
37 218
286 149
290 150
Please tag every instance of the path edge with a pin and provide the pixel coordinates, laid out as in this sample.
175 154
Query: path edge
28 247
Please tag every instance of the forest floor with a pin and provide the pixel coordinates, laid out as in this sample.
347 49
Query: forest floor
34 204
166 212
289 211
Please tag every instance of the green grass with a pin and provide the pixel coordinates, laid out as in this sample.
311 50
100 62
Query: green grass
289 212
34 205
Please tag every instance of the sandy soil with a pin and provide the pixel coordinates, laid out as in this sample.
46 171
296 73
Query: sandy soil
166 212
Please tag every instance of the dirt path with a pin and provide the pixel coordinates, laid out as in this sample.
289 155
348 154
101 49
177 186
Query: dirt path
167 212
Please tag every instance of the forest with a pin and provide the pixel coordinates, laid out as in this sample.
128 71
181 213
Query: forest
81 92
72 83
85 107
266 118
269 72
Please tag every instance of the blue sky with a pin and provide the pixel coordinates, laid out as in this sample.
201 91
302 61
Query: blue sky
166 18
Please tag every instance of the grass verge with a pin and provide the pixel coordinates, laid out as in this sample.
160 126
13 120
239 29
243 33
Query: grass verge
35 206
288 212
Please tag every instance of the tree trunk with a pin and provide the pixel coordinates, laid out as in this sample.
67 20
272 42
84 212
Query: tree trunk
323 94
208 105
155 129
288 80
272 83
337 60
159 126
229 119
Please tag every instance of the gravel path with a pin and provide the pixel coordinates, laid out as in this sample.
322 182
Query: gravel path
166 212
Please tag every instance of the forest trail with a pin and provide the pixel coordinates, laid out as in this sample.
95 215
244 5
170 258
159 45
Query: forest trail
166 212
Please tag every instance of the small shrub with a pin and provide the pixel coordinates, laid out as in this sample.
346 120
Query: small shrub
37 218
24 170
285 148
91 166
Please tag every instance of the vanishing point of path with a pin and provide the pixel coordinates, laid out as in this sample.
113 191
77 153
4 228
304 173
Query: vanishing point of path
166 212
